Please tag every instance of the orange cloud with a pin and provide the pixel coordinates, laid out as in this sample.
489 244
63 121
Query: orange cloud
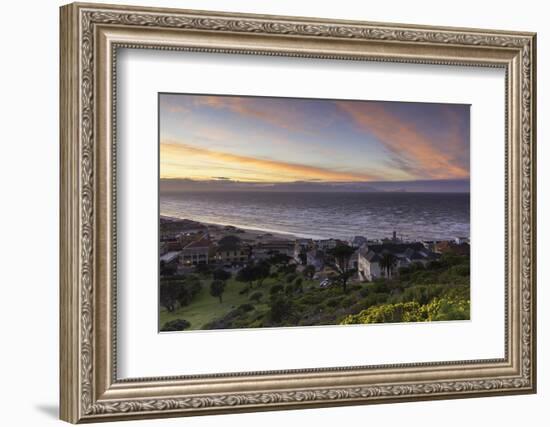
413 151
179 159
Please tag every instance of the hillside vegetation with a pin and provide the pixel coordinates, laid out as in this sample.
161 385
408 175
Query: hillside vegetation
274 294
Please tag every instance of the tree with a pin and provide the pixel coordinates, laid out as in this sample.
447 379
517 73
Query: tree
229 242
221 274
168 296
290 277
309 271
262 272
204 269
178 291
341 255
217 287
287 269
254 272
246 274
167 269
256 297
175 325
275 289
279 259
280 309
388 262
298 285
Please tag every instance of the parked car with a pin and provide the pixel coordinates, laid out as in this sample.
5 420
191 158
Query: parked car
325 283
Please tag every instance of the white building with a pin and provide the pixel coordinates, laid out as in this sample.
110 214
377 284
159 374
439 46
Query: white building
368 265
327 244
358 242
405 254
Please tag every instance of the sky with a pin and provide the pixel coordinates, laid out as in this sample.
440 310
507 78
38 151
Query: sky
264 141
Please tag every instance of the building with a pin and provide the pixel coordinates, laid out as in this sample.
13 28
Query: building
187 237
231 251
266 250
301 246
171 227
430 244
171 245
327 244
170 258
450 247
316 258
368 265
196 252
358 242
370 258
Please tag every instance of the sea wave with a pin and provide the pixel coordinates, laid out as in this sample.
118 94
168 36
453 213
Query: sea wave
413 216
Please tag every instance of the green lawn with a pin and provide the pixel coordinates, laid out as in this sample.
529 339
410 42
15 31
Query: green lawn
445 284
205 308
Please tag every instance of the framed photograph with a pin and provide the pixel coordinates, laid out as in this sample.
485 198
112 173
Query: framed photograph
265 212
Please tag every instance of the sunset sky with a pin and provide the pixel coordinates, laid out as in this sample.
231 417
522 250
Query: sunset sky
282 140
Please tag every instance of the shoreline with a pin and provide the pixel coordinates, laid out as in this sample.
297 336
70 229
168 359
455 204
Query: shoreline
257 234
247 232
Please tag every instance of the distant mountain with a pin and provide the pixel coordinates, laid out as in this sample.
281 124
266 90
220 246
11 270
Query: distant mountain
423 186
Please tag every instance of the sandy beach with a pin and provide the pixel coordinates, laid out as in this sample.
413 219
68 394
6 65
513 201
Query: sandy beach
218 231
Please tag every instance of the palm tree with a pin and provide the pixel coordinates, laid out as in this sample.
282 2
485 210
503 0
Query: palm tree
341 256
388 262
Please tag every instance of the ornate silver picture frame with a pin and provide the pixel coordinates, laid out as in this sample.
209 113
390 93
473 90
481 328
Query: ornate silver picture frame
91 36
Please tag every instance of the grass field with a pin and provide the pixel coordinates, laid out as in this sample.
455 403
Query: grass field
440 291
206 308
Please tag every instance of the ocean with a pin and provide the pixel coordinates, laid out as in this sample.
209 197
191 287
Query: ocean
322 215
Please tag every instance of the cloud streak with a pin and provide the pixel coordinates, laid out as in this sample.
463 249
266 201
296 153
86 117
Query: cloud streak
411 149
275 112
180 154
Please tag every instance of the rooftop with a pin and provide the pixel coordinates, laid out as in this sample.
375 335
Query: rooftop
169 256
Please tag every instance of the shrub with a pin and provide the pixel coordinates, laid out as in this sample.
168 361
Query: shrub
404 271
298 284
245 308
217 288
275 289
256 296
309 271
438 309
168 270
280 308
180 291
364 292
389 313
290 277
434 265
205 269
348 301
378 286
221 274
333 302
175 325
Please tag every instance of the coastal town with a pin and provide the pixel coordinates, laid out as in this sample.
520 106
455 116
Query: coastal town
185 244
215 276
